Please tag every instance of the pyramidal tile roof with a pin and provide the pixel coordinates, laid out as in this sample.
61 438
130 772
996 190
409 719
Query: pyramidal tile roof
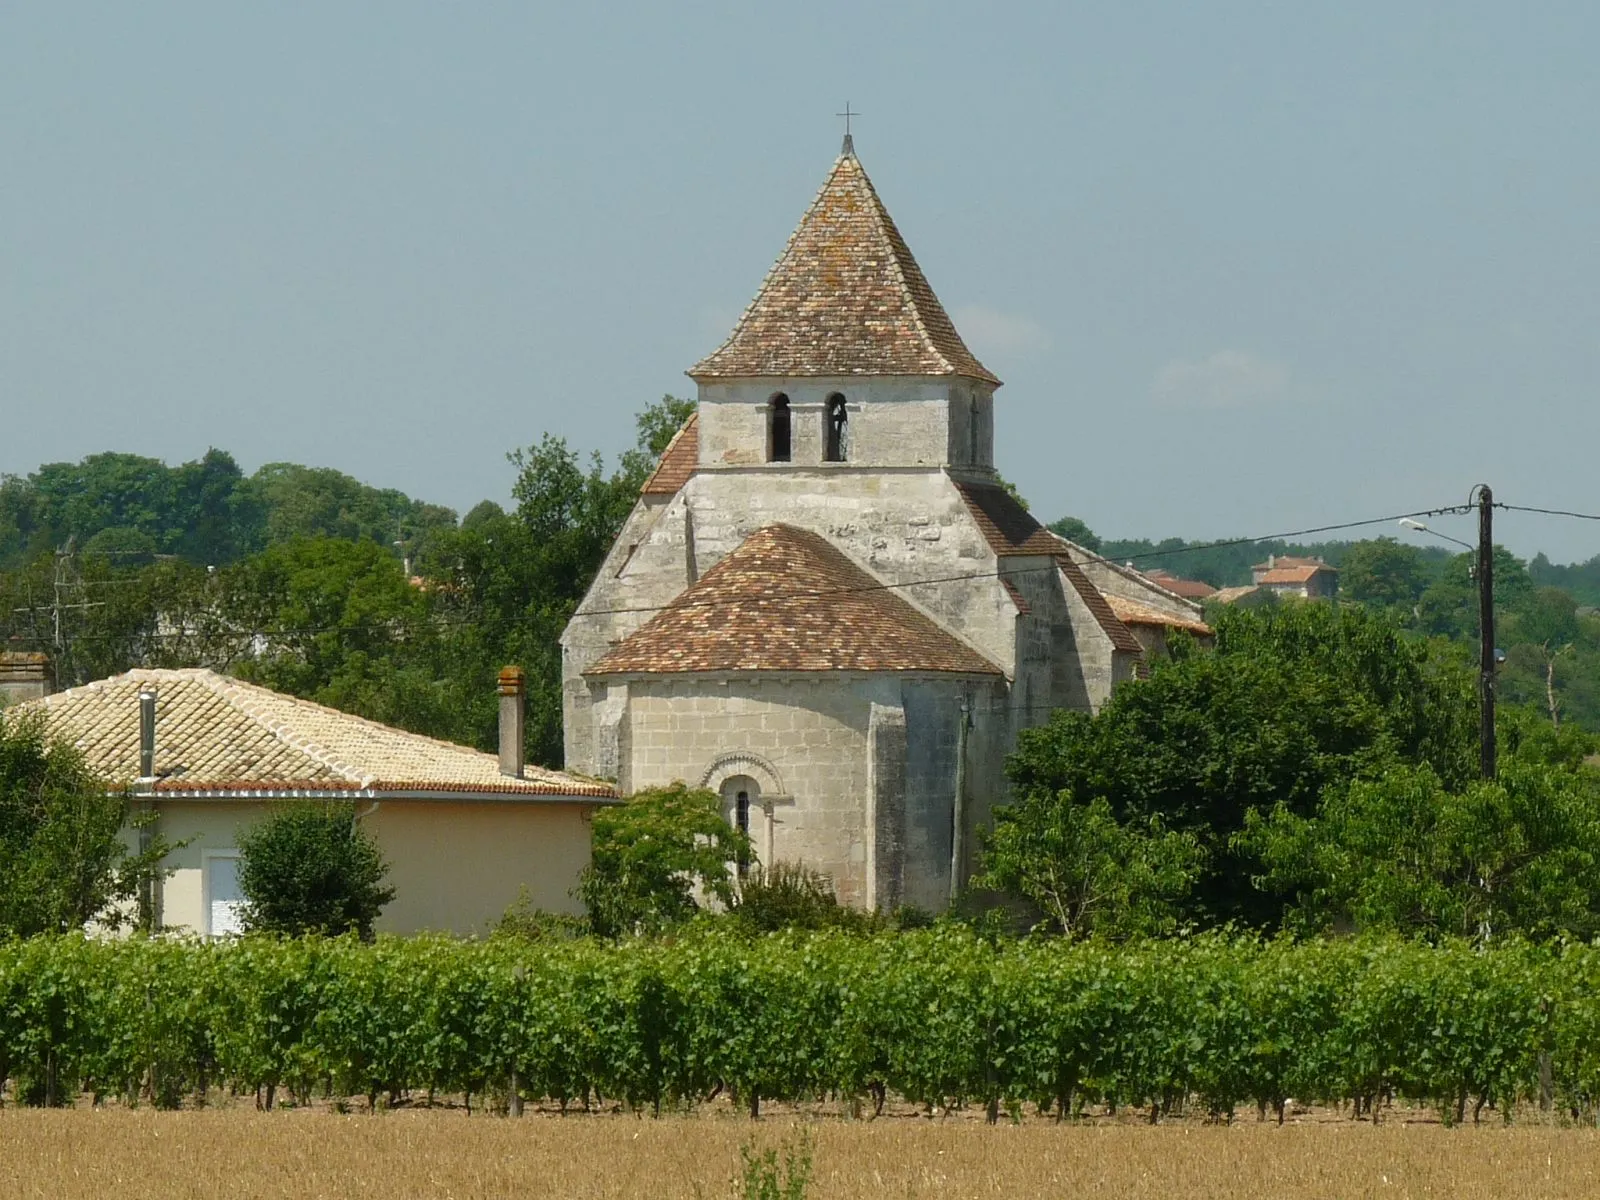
787 600
219 734
844 298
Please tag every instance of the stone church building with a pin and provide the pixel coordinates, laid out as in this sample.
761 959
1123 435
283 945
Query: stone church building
825 606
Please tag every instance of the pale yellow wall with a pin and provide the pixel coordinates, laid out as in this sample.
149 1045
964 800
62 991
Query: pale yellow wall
455 867
210 825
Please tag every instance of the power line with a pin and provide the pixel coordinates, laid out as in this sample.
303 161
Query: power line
440 620
1549 512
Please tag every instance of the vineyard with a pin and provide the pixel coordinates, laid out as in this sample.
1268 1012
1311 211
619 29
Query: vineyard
936 1018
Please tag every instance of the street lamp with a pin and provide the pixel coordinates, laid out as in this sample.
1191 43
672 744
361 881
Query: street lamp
1419 527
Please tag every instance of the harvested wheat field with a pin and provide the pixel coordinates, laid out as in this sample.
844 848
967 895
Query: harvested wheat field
100 1153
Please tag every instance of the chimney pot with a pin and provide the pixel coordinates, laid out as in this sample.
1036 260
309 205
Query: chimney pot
513 687
147 733
24 675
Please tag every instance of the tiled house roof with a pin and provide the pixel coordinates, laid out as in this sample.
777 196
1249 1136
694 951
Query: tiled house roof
678 461
1283 575
787 600
1189 589
845 298
1011 529
218 734
1131 612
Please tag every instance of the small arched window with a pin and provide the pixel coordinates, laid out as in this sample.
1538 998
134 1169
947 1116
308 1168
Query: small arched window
778 428
740 794
836 430
741 822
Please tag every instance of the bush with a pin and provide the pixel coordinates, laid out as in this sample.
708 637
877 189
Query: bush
529 924
793 896
311 868
650 855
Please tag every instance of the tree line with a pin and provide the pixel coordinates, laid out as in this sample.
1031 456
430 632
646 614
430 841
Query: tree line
296 578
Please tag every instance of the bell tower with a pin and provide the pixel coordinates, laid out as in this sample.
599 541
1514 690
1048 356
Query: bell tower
845 359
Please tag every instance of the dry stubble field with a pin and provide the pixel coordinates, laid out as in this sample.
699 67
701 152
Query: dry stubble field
99 1153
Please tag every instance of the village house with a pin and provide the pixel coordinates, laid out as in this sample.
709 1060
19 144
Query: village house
825 605
465 833
1286 575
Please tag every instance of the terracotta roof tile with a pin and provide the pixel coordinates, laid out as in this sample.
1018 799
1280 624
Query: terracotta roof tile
1005 524
788 600
1290 574
844 298
215 733
678 461
1131 612
1189 589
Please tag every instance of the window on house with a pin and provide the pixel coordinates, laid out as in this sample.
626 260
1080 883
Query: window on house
836 430
778 429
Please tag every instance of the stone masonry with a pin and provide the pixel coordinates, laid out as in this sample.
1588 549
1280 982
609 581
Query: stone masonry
860 694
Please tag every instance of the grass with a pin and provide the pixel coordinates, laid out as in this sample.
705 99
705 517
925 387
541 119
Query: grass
239 1152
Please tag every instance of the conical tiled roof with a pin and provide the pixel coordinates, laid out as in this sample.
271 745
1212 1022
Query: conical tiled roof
787 600
845 298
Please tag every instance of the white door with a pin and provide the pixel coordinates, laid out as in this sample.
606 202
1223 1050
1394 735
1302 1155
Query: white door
224 900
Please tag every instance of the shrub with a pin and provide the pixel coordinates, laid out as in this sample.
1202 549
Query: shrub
529 924
311 868
650 855
794 896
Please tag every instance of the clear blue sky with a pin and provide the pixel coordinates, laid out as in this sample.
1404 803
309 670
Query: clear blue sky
1243 266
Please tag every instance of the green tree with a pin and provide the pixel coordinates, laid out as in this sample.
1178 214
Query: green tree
63 862
650 856
1088 872
1385 573
1293 699
1449 605
318 502
312 868
656 425
312 605
1075 530
1402 852
1544 628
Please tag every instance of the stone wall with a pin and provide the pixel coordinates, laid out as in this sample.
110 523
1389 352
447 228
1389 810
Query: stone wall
903 421
902 526
812 733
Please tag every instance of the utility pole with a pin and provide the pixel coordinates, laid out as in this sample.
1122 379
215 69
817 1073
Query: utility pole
1486 663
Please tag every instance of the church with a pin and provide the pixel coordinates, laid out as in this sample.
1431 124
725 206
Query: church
825 606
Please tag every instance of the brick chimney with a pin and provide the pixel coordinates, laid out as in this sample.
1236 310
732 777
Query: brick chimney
513 688
24 675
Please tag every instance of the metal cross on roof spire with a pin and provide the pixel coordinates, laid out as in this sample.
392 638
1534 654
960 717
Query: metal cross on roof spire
849 143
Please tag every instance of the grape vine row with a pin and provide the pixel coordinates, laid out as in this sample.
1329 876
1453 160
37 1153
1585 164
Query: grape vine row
939 1017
